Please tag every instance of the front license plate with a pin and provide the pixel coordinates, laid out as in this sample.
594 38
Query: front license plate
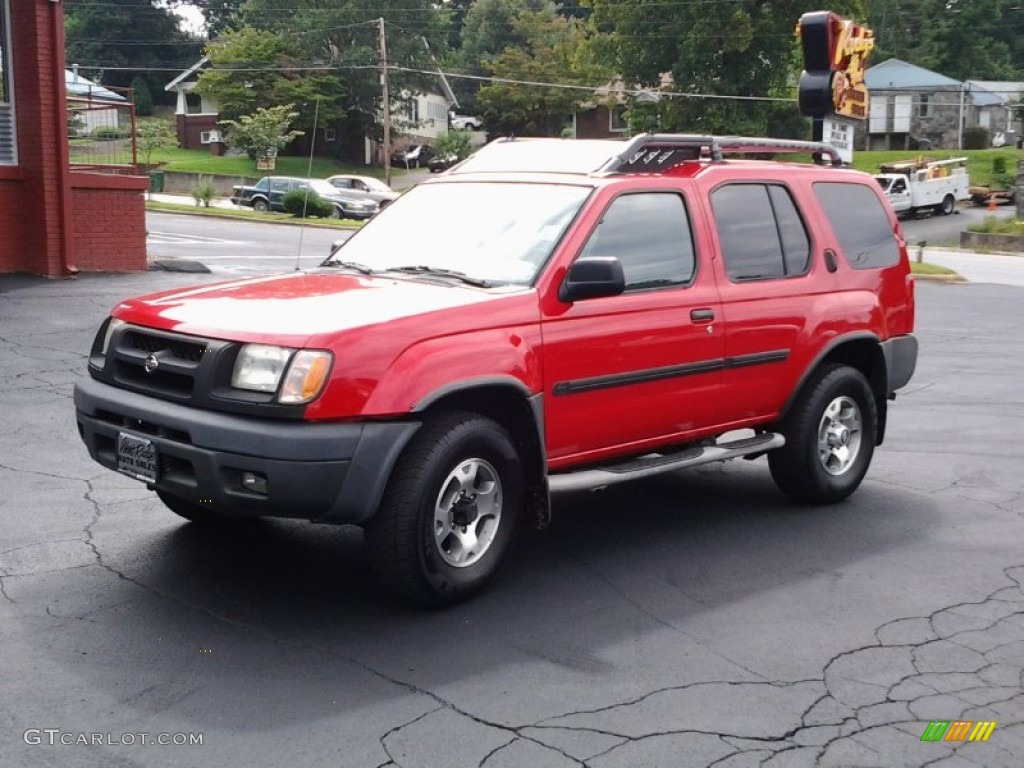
136 457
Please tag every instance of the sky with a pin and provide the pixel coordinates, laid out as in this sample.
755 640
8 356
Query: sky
191 19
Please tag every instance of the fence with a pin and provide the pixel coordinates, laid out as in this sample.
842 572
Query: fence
101 129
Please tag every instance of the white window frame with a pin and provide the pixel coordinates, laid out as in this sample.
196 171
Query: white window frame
8 123
210 137
330 134
617 125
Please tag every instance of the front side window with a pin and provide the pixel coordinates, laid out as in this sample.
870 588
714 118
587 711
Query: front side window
760 232
7 152
860 224
649 233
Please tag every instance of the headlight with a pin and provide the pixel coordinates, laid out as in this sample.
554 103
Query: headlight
259 367
306 376
112 326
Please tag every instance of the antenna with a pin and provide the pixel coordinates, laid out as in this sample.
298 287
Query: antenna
309 174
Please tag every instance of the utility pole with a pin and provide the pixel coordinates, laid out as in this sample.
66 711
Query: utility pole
385 102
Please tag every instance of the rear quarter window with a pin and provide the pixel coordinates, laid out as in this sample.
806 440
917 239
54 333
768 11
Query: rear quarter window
860 223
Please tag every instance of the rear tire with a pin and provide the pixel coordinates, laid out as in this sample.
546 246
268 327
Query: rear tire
948 205
451 510
830 437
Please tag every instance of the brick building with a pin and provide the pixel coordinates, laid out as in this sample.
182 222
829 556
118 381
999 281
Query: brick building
55 219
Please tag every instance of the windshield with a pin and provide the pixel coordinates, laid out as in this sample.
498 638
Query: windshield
493 231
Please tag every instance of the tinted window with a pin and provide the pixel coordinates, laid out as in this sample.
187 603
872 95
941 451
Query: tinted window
860 224
796 248
649 234
760 232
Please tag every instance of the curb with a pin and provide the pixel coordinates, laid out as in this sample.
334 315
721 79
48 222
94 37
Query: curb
285 222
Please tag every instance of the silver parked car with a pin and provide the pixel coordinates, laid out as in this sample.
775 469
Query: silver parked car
364 186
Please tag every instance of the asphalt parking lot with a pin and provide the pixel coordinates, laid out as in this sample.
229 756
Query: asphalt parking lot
693 620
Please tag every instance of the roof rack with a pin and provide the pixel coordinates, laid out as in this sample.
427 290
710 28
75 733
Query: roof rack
658 151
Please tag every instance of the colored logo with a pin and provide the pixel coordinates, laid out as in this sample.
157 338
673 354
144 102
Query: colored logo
958 730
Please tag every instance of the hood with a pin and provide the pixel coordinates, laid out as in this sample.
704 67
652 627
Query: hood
291 309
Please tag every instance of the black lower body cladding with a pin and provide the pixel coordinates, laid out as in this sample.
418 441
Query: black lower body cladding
327 472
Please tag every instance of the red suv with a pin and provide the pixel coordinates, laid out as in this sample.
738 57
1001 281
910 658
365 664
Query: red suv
548 315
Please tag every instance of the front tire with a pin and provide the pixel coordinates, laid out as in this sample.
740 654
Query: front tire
830 437
451 510
260 205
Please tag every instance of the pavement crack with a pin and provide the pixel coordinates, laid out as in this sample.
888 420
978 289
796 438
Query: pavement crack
496 750
3 591
382 740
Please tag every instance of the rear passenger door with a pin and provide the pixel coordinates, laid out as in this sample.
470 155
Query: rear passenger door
772 289
643 367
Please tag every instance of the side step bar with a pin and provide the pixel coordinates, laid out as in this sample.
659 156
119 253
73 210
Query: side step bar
657 463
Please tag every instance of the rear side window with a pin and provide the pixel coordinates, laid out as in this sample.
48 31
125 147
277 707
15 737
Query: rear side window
649 233
860 224
760 232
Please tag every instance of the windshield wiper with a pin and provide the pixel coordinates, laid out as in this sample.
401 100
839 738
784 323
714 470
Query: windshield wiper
349 265
420 269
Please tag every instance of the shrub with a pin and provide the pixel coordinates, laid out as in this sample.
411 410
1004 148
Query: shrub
296 201
976 137
108 132
993 225
203 192
998 165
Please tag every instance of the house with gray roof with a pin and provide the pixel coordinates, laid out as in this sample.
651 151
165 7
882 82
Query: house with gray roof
915 108
92 106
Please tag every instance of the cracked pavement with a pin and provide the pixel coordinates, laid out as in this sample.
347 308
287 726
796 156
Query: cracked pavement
698 619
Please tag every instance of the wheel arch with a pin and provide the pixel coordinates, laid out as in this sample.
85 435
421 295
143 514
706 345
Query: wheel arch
861 351
510 403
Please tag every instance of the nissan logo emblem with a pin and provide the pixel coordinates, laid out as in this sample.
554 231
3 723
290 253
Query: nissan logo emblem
151 364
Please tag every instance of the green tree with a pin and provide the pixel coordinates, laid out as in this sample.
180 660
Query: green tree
252 69
487 29
117 40
344 35
142 97
553 51
153 135
263 132
454 143
744 48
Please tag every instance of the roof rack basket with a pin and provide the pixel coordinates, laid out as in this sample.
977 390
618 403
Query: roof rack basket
653 152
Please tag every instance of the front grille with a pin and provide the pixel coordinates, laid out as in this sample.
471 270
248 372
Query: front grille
180 350
160 381
168 365
188 370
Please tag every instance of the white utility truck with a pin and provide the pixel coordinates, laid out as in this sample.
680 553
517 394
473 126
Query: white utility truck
914 185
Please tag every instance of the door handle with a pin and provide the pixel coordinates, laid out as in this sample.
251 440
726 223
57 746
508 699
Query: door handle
702 315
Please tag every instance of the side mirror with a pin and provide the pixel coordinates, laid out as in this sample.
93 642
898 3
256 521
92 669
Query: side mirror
591 278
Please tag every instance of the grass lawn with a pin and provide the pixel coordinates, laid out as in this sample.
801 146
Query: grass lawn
979 161
201 161
924 268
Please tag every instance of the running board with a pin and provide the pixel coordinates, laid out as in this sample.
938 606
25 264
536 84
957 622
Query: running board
656 464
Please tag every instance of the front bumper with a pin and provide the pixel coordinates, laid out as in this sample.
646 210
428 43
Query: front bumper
327 472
